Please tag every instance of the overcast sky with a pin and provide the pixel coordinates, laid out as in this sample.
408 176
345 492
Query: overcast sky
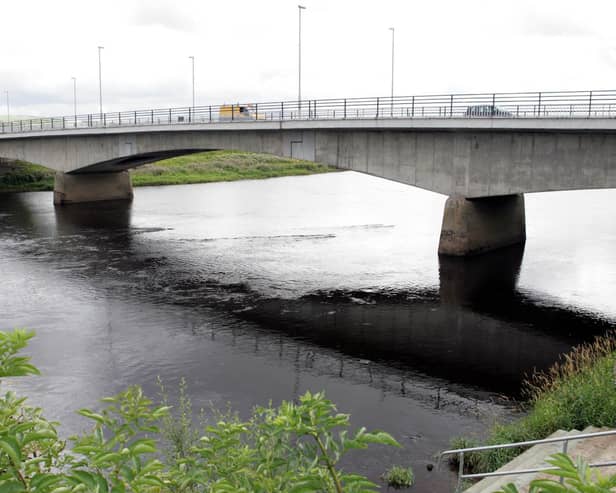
246 50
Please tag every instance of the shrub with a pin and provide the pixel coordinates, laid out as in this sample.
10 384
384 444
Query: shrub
293 448
398 477
576 392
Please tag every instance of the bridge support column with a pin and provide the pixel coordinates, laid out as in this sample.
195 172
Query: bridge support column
472 226
91 187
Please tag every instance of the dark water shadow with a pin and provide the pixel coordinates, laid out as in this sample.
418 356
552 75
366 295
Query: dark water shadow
107 216
477 330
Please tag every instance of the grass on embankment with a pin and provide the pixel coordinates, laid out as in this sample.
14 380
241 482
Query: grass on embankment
577 392
19 176
222 166
203 167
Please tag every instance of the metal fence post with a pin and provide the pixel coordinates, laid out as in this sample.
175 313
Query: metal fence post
345 108
413 106
210 111
377 108
119 118
282 111
539 106
460 471
256 111
169 116
189 115
152 117
589 103
451 107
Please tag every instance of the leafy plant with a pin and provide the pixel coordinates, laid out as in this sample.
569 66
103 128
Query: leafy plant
399 477
293 448
577 478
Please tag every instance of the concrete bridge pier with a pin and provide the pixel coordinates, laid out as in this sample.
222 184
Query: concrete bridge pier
472 226
91 187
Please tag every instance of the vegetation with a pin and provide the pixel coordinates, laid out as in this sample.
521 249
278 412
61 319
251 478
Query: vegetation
25 177
222 166
399 477
578 391
194 168
577 478
293 448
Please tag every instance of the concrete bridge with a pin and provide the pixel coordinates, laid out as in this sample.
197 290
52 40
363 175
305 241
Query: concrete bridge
483 151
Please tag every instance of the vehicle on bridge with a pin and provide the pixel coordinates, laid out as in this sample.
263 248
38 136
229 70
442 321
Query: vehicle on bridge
228 112
486 110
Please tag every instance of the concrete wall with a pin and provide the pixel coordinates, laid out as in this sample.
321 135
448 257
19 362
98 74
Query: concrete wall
463 162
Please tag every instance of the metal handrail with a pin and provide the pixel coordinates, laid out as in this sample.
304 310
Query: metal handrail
517 105
566 439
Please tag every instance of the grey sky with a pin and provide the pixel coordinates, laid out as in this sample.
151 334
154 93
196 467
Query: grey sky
246 50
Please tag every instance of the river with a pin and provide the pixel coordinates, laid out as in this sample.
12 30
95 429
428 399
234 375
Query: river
260 290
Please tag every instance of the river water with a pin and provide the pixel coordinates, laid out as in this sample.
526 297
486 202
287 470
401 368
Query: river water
260 290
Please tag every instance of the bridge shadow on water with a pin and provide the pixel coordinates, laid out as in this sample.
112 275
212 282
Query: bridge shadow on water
477 330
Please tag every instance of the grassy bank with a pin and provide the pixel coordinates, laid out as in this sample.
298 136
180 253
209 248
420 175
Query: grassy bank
203 167
578 391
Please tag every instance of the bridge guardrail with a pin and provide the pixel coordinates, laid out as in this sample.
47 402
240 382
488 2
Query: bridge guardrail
566 104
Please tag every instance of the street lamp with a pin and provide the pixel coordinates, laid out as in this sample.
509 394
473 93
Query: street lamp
392 69
299 69
193 81
75 98
100 82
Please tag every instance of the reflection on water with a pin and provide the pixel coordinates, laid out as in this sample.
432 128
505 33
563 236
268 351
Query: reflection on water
259 290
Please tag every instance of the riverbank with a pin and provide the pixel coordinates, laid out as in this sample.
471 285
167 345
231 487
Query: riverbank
202 167
576 392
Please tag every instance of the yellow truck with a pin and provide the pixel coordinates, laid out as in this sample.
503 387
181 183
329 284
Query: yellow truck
228 112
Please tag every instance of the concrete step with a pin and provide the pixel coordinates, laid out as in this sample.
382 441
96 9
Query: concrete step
533 457
601 449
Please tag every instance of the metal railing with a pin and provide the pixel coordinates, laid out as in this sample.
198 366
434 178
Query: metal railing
568 104
566 439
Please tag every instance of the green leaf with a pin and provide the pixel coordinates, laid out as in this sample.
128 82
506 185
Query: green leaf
11 447
40 435
11 487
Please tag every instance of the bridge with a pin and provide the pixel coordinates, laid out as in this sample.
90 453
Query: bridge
482 150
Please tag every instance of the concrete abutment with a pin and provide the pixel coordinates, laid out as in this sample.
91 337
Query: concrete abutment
91 187
472 226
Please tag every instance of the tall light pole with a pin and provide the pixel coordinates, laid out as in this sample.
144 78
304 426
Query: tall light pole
392 69
8 110
299 60
100 82
193 81
75 98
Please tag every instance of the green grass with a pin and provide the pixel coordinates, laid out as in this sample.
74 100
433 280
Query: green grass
203 167
222 166
25 177
399 477
577 392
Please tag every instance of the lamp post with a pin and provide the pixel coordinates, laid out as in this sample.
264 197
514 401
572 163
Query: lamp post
75 98
100 83
192 58
299 62
392 69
